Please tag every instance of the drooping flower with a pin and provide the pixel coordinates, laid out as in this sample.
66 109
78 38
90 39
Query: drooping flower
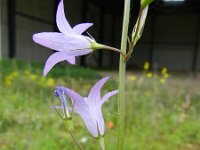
89 108
68 43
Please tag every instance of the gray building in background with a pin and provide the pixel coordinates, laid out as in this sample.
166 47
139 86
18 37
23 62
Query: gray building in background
171 36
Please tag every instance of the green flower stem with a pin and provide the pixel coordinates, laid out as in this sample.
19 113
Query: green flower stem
101 142
71 130
115 50
96 45
122 72
70 126
75 141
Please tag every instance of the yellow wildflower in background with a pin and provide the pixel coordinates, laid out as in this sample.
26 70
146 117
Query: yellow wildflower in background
149 74
9 78
14 74
162 80
33 77
146 66
132 77
42 81
50 82
166 75
164 72
27 72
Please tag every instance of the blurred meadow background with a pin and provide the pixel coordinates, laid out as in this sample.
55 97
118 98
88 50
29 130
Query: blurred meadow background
162 108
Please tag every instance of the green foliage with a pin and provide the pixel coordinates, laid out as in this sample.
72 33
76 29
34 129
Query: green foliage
162 111
62 69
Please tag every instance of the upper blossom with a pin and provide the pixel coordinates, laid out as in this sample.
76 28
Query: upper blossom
68 44
89 108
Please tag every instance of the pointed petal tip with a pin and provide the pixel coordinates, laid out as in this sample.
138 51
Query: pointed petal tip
107 96
106 78
44 73
71 60
37 36
61 20
61 4
80 28
95 91
34 37
115 92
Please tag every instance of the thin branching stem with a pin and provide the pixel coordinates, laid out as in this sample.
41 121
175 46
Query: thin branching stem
75 141
115 50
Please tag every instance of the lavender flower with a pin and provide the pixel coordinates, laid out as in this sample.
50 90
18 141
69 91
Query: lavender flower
89 108
68 44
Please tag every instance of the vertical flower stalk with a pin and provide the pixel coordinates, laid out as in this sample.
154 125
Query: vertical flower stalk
122 72
69 43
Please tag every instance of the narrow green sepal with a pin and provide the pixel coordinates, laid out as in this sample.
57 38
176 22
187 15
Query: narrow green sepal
139 26
144 3
95 45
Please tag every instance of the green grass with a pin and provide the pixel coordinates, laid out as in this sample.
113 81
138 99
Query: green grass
159 116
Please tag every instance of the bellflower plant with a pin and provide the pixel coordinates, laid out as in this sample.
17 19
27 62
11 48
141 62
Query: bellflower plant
89 108
69 43
122 63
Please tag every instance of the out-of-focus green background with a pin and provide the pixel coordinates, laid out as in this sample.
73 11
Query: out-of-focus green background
162 109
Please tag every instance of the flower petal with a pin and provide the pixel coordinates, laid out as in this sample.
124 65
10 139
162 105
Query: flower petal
53 40
100 121
95 92
56 58
78 52
90 123
107 96
96 114
80 28
61 20
60 42
81 108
